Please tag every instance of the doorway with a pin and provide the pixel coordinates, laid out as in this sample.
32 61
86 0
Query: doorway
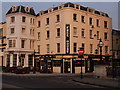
66 67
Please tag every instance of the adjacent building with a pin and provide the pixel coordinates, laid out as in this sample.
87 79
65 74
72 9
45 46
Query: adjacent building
58 31
116 43
20 28
2 43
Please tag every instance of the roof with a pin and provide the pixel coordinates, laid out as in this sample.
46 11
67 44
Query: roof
116 32
72 5
22 10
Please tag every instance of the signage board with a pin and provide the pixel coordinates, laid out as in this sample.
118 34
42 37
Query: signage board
67 38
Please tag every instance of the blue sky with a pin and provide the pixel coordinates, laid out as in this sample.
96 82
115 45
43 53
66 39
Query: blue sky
108 7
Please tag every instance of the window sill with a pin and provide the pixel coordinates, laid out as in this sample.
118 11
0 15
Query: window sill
75 36
75 53
58 37
57 21
106 28
98 26
83 37
106 40
38 26
83 22
12 22
24 22
31 23
91 38
12 33
47 24
75 20
47 38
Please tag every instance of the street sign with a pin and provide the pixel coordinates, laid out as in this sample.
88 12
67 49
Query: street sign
81 51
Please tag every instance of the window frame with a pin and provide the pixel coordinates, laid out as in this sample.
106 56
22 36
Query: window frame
90 21
91 33
48 48
74 47
91 48
12 19
74 17
23 19
22 43
10 43
12 30
48 34
47 21
83 19
58 47
58 18
58 32
106 36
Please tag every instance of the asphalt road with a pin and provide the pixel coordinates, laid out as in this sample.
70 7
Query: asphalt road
41 82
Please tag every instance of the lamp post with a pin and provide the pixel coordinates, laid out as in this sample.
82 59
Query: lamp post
100 44
34 71
34 55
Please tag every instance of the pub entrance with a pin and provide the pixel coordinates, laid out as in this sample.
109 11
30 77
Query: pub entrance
66 67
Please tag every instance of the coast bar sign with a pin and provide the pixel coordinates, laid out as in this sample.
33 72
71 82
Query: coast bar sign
67 38
81 51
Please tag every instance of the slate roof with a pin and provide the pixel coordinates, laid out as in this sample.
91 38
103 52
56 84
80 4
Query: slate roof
22 10
116 32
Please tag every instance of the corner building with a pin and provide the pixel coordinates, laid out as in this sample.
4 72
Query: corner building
58 31
63 29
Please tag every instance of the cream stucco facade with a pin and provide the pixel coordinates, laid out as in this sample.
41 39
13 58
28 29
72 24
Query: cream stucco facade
20 41
61 31
66 17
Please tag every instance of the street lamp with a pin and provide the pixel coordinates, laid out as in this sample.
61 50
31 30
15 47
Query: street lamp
100 44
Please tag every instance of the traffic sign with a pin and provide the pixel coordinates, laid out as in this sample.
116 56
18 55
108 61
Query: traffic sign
81 51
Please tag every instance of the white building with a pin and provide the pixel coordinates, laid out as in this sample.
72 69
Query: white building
20 26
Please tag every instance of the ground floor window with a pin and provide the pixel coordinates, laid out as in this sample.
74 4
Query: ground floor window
22 59
78 63
30 60
57 63
8 60
14 60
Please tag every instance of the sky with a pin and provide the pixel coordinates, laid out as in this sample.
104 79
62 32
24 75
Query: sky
110 7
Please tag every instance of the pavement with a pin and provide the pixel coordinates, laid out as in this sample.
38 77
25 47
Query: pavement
88 78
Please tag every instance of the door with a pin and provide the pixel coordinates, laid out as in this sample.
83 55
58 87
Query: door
66 67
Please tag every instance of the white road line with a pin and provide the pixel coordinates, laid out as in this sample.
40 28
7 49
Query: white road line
4 85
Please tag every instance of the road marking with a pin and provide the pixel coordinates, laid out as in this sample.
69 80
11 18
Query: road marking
85 84
4 85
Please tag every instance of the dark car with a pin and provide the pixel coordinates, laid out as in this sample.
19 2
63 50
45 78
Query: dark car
13 69
21 70
6 69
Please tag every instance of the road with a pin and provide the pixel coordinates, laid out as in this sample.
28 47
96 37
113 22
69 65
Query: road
41 82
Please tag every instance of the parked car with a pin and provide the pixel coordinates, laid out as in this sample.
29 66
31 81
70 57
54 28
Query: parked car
6 69
21 70
13 69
